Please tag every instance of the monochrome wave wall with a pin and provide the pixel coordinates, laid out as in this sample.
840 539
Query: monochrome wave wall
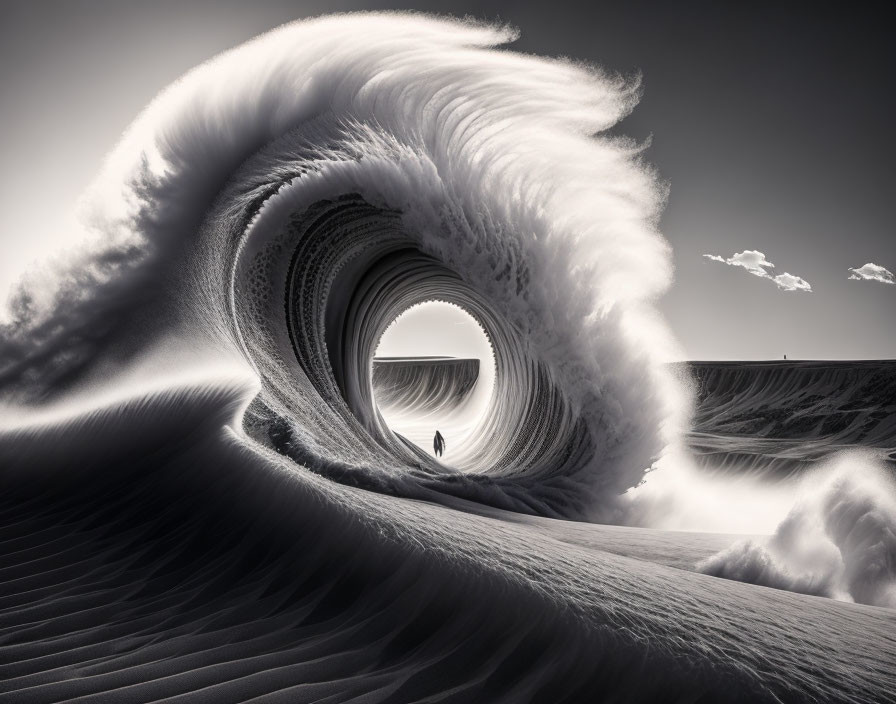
200 497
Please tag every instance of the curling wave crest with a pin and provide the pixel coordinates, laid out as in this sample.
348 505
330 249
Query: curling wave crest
351 180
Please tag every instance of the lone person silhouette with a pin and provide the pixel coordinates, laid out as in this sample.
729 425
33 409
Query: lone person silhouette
438 444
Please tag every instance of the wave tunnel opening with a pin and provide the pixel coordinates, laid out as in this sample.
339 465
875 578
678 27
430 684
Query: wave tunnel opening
434 370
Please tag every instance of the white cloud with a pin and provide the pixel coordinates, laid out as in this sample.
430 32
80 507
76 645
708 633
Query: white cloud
789 282
755 262
873 272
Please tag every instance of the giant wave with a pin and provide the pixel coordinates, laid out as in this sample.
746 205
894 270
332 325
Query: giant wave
201 496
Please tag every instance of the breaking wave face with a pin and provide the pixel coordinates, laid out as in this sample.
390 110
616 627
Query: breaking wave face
283 204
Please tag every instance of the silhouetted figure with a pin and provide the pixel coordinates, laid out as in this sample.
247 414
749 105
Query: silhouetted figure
785 356
438 444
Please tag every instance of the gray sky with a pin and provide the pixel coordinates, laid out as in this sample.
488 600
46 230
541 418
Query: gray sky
772 125
435 329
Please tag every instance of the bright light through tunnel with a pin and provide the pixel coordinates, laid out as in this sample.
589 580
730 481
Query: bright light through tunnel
434 369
